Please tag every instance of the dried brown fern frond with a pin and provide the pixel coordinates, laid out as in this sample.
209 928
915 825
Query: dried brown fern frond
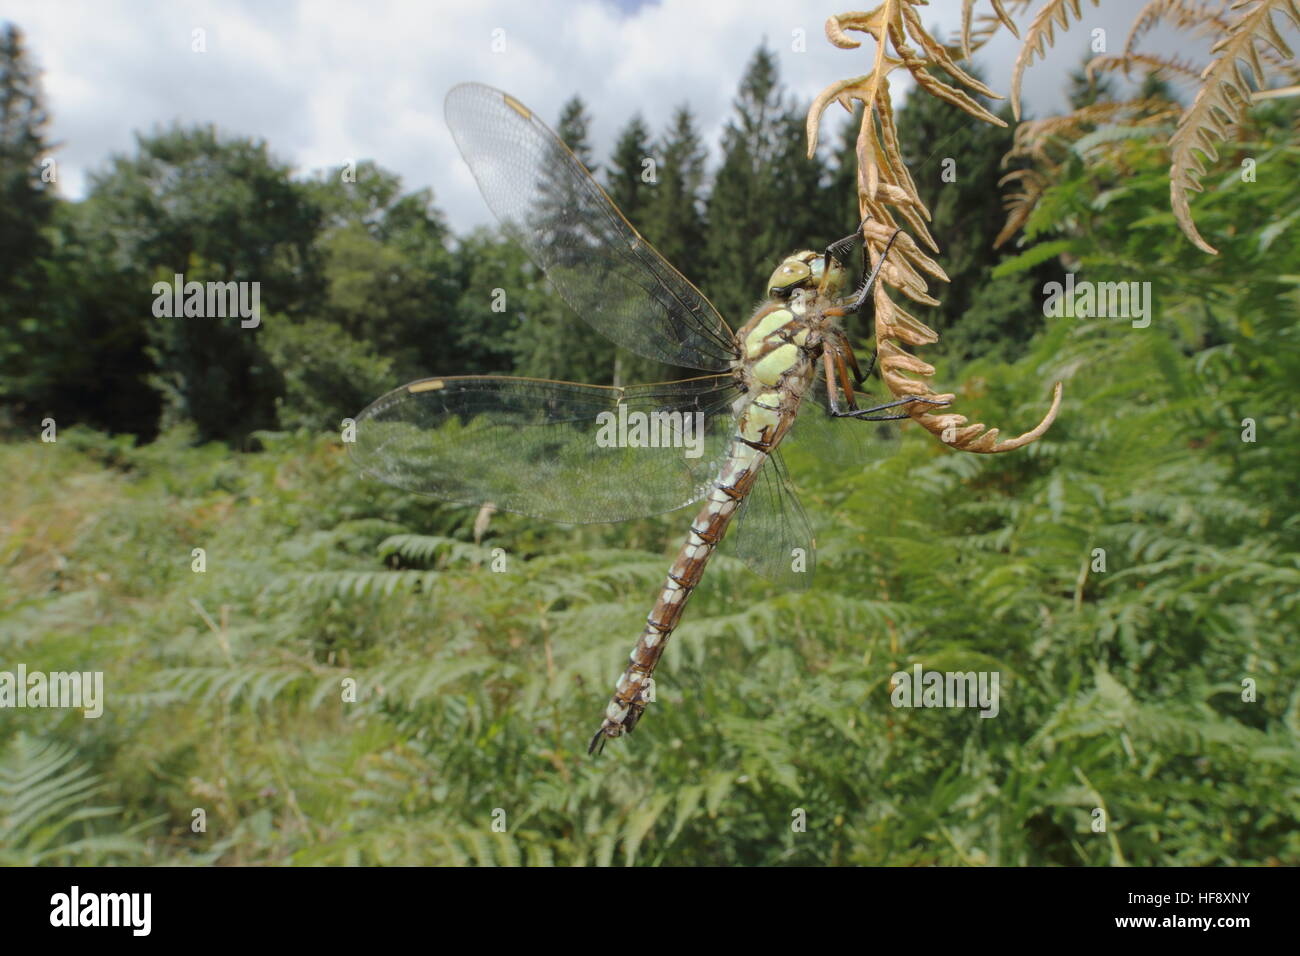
1205 19
1035 138
887 193
1046 143
974 37
1019 205
1275 94
1041 35
1222 100
1125 63
1244 33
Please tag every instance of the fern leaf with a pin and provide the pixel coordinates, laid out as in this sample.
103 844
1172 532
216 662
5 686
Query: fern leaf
1032 256
886 190
1203 18
1039 37
972 38
1125 62
1020 205
1221 101
1114 134
42 793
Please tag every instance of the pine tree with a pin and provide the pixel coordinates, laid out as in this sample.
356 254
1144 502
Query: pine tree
575 129
551 341
956 161
71 343
737 219
768 199
1155 87
675 218
633 182
1084 90
673 222
624 178
26 199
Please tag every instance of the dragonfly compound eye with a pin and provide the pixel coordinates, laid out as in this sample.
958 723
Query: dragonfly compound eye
788 275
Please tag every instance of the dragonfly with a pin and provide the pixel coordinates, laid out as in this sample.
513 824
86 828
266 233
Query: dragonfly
577 453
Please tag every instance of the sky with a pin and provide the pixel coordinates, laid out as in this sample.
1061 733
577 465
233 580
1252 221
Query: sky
328 81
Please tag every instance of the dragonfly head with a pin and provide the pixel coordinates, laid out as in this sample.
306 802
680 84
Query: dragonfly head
804 270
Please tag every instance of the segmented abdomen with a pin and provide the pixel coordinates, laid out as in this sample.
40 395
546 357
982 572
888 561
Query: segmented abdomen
776 367
759 429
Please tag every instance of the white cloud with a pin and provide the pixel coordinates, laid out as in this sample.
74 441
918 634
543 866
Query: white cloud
324 82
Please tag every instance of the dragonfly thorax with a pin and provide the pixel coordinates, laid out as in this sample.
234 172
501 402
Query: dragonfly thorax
805 271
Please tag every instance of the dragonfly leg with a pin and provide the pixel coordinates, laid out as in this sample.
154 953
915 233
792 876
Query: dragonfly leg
846 354
830 360
861 296
871 367
858 377
843 244
867 414
832 363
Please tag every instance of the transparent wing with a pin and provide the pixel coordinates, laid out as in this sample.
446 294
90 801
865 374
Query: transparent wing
555 450
842 442
772 534
602 267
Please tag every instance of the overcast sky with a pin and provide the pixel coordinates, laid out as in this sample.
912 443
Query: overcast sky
325 81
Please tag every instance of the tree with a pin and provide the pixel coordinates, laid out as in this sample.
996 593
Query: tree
768 199
389 274
498 290
575 130
550 341
956 161
217 209
71 344
624 181
26 197
80 353
1084 90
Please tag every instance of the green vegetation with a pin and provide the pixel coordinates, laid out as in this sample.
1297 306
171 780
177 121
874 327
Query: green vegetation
228 691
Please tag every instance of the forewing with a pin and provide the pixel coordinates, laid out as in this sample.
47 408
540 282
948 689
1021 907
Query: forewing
602 267
555 450
772 534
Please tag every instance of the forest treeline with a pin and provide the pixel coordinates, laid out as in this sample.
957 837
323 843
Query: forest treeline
363 286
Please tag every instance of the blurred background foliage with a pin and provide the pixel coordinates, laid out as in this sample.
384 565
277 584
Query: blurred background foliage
476 691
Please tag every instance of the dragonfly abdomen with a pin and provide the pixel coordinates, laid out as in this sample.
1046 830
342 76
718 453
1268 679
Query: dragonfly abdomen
779 372
635 688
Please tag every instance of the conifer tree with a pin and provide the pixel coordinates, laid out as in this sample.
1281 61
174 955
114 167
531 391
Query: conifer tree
675 217
550 341
768 199
625 176
956 161
26 198
575 129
